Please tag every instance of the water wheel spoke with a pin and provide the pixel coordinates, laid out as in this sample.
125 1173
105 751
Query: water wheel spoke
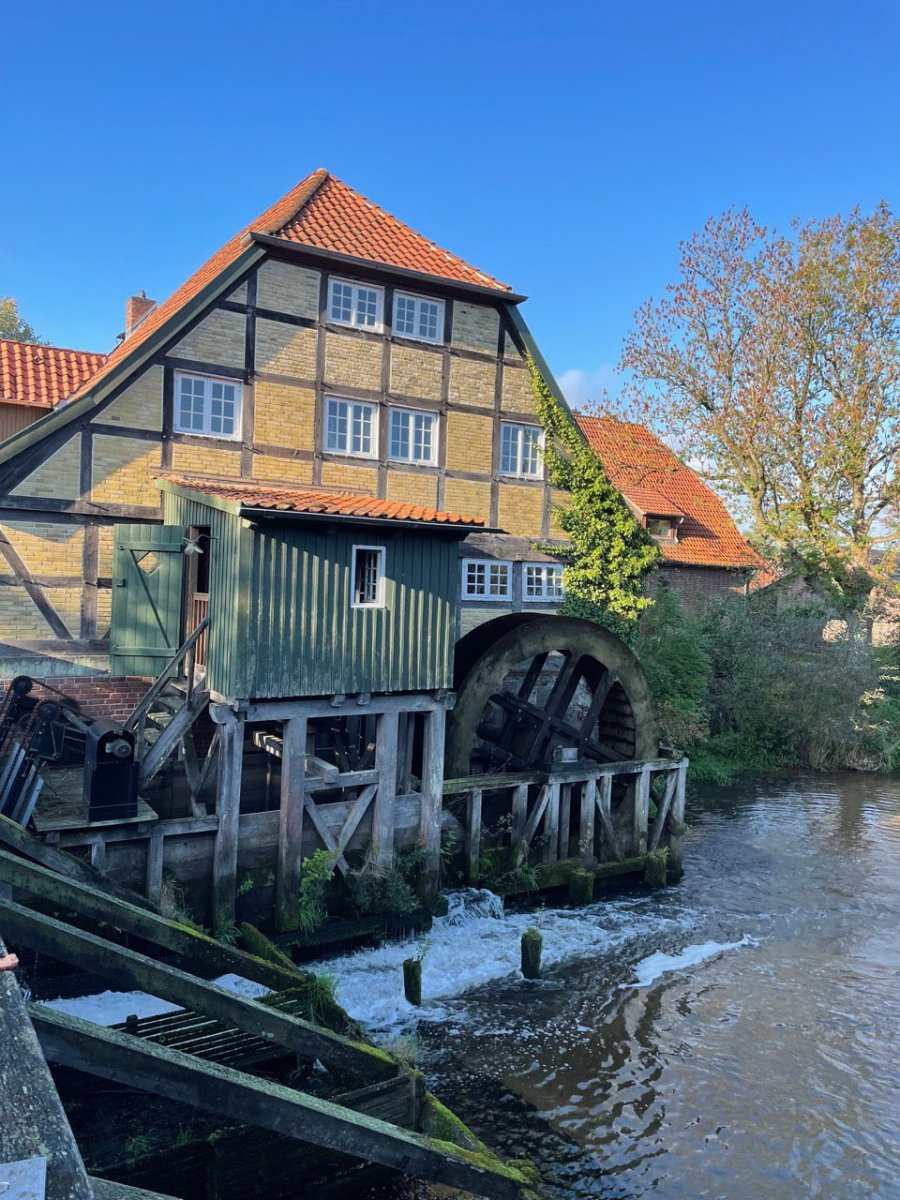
533 674
601 692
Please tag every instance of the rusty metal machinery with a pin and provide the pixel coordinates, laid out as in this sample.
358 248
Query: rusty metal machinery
529 685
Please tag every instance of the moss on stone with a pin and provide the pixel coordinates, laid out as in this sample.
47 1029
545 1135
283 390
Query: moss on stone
532 944
655 868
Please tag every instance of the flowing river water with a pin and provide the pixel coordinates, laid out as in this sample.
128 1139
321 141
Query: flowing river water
734 1037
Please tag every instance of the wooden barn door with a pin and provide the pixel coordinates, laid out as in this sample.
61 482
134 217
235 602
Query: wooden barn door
148 568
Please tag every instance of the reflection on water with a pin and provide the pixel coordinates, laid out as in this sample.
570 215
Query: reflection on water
770 1069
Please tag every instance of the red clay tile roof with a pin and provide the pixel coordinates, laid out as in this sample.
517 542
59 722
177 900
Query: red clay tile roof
341 221
41 376
338 219
658 483
337 504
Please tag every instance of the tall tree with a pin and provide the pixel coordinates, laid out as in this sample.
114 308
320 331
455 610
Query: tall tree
774 363
12 325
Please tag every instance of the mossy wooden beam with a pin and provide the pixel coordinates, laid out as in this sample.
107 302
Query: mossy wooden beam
203 952
116 1056
64 864
108 1189
132 970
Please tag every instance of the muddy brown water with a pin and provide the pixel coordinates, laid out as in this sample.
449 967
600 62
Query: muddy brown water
769 1070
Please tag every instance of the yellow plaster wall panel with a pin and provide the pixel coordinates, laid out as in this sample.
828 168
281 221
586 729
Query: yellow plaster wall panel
219 338
104 610
284 288
517 395
521 510
285 349
58 477
105 550
469 439
510 349
472 382
121 471
475 327
416 372
207 460
139 406
467 498
284 415
282 470
239 295
352 361
348 475
412 487
20 619
45 547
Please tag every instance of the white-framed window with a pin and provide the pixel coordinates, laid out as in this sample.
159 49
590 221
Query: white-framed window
356 304
520 450
418 317
412 435
486 579
351 427
542 581
661 527
367 584
206 406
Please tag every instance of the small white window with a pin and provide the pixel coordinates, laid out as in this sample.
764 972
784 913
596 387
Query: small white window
351 427
416 317
368 577
412 436
520 450
661 527
485 579
209 407
355 304
543 581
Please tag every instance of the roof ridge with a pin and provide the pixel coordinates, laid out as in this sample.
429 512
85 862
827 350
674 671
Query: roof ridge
48 346
298 196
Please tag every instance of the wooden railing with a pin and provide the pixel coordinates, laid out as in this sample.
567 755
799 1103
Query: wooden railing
199 615
541 807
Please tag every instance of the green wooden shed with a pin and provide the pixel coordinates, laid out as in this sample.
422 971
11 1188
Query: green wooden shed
307 593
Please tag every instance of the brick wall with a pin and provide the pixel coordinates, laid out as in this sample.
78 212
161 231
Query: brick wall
698 586
97 695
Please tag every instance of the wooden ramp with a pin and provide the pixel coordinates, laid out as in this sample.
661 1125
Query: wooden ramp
216 1050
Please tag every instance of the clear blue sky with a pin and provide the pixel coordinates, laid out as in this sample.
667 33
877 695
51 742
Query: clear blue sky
564 148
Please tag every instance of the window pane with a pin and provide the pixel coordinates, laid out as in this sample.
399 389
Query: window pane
405 319
508 449
336 431
423 424
475 579
428 320
361 429
367 570
341 302
366 306
399 434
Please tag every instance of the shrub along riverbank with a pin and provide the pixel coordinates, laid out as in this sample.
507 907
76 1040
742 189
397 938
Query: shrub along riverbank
743 686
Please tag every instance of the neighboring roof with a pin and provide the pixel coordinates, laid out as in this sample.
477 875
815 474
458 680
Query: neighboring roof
248 496
42 376
657 483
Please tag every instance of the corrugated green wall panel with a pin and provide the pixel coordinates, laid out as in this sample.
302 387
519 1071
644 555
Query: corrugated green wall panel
281 620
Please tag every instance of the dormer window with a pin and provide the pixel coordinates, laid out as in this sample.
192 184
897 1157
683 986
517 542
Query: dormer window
355 304
662 527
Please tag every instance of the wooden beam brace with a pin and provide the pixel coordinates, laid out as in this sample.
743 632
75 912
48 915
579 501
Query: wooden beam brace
112 1055
663 811
132 970
31 586
604 808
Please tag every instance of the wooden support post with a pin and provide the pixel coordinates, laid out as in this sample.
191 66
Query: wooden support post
676 823
412 981
531 944
154 870
587 820
228 811
432 797
519 815
565 818
641 811
604 808
290 825
473 836
383 807
551 823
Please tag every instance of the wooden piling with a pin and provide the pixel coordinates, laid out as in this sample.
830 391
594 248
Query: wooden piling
412 980
581 887
655 868
532 944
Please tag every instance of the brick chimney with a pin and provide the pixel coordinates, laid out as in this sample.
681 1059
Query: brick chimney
136 309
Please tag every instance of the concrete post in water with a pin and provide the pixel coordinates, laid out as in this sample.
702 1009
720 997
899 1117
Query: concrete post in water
581 886
532 944
655 868
412 980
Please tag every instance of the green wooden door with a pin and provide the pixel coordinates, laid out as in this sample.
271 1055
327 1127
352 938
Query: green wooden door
148 565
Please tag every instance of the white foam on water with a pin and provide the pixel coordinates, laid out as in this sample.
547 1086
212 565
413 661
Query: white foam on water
648 970
112 1008
477 943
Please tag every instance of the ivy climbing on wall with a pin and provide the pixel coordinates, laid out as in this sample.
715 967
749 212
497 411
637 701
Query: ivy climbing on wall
610 554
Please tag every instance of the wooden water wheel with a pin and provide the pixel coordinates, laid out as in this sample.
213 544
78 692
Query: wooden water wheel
529 684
